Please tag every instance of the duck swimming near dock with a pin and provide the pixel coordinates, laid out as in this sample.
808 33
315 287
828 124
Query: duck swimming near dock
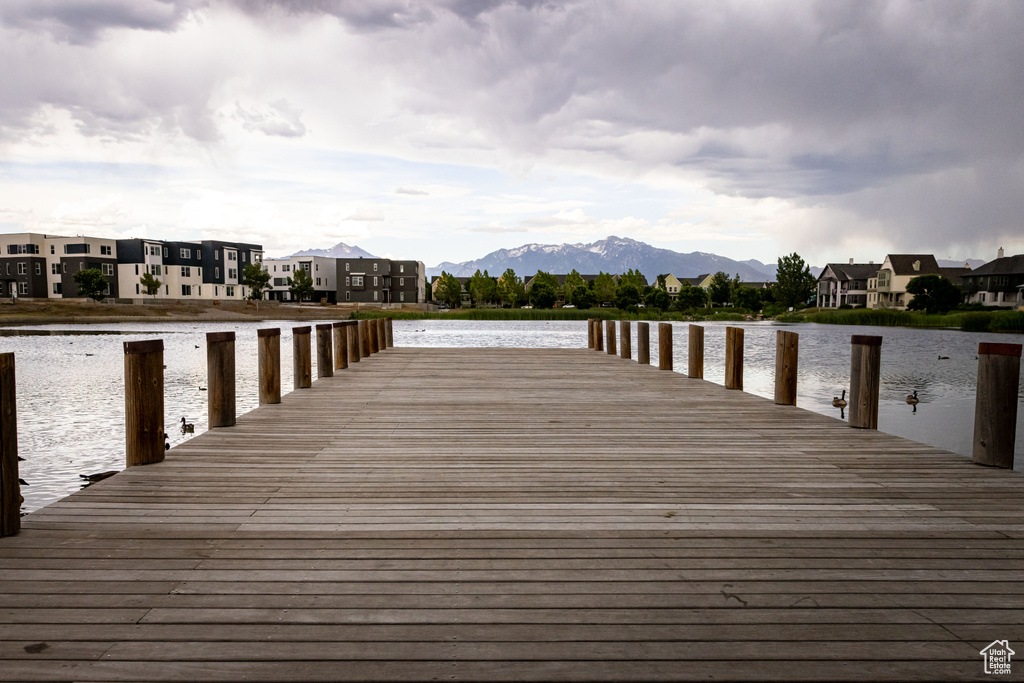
912 399
187 427
839 401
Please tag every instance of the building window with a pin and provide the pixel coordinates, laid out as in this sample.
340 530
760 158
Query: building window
401 282
316 267
286 268
185 253
108 268
199 254
348 296
232 256
166 252
357 281
346 266
401 296
186 271
375 267
54 269
22 269
216 271
230 291
374 280
318 282
375 295
186 290
156 269
53 250
232 273
136 268
348 282
105 250
401 268
243 257
22 288
56 288
64 267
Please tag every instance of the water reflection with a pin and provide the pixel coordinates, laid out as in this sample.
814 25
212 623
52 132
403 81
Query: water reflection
71 380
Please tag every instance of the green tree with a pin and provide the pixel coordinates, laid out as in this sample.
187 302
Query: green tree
150 283
256 279
583 297
933 294
91 283
720 289
658 299
748 298
447 290
545 278
542 294
510 288
627 295
633 277
690 297
793 281
301 286
483 289
604 288
573 281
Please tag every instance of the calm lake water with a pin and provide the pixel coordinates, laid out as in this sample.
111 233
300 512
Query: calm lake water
71 380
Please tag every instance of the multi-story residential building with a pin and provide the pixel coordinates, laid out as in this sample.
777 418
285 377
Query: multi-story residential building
997 283
322 271
380 281
845 284
672 285
43 266
888 287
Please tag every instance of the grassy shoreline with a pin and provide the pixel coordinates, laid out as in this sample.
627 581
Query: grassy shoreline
966 321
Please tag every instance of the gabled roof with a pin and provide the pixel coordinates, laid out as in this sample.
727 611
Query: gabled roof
695 281
955 274
903 264
1008 265
850 271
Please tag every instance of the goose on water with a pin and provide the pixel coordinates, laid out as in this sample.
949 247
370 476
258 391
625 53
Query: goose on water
187 427
839 401
912 399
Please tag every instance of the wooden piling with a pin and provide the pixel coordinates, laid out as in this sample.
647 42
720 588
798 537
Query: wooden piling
734 358
302 361
625 340
340 346
390 333
220 379
598 336
643 343
10 485
363 331
371 328
324 351
590 333
609 342
786 352
144 402
995 407
695 367
269 363
865 373
664 346
355 346
382 334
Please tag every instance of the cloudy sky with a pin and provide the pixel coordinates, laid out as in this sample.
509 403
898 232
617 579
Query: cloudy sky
445 130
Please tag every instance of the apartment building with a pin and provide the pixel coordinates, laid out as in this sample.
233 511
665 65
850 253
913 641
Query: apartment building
322 270
380 281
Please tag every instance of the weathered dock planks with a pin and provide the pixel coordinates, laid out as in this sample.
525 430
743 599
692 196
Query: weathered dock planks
508 514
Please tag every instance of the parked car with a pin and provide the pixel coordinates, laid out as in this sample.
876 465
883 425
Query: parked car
568 306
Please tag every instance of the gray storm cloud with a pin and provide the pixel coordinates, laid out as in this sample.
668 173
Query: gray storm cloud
901 113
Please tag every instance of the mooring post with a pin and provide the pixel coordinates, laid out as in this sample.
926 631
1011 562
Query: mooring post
372 334
598 335
696 352
390 333
340 346
382 334
995 406
625 340
734 358
352 339
363 330
609 331
324 354
302 361
643 343
10 485
786 348
269 362
865 371
590 333
144 402
220 379
664 346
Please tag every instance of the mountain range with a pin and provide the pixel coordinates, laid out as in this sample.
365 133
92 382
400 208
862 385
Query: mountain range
611 255
339 250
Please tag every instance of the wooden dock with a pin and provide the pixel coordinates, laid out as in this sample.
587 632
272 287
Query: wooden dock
504 514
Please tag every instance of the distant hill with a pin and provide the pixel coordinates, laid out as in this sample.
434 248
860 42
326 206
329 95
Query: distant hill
611 255
972 262
339 250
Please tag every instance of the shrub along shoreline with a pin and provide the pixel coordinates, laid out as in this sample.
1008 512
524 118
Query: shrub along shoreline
968 321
